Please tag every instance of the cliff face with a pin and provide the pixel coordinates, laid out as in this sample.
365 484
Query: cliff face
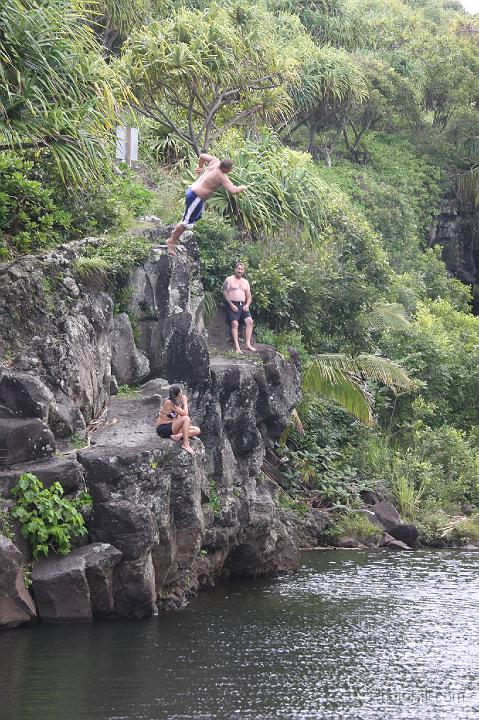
163 523
454 230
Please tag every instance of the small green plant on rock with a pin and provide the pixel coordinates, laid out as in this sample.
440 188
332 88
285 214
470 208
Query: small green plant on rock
127 391
93 271
285 501
215 500
48 520
78 441
5 521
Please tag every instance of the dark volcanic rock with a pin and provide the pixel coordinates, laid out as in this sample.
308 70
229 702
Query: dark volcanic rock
61 589
22 440
390 542
152 501
25 395
387 514
56 329
100 561
16 604
64 417
76 587
406 533
64 470
134 588
167 300
128 364
128 526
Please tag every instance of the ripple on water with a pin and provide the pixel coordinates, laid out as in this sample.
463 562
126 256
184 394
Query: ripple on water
353 636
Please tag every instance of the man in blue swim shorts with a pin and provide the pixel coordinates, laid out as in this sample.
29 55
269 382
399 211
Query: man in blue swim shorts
214 176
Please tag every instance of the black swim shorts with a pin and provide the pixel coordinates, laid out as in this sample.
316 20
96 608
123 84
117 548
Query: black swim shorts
240 314
165 430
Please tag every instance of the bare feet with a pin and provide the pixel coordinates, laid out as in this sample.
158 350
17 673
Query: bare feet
176 437
188 449
171 247
250 348
238 351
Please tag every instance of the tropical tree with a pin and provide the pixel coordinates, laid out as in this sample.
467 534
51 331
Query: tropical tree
330 82
57 95
392 100
113 20
199 73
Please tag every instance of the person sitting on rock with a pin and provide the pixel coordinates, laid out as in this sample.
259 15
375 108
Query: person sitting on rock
174 421
215 176
237 294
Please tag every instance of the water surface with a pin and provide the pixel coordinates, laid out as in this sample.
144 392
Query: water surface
353 636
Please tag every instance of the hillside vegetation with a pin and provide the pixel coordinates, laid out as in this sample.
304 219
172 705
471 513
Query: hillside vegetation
349 120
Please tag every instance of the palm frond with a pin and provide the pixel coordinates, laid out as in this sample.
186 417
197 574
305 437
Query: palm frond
388 316
344 378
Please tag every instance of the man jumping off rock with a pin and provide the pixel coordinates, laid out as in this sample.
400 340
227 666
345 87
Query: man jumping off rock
215 176
237 293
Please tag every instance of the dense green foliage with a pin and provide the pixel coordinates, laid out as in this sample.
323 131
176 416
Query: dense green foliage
348 126
48 520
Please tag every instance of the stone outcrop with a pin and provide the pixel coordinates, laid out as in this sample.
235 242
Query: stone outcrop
24 439
77 587
163 523
454 230
56 330
16 604
128 364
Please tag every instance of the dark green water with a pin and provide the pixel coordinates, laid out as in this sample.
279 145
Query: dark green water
353 636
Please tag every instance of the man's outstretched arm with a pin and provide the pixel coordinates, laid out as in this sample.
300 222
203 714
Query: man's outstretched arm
233 189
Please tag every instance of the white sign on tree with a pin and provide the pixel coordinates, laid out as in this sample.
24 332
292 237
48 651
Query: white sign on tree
127 144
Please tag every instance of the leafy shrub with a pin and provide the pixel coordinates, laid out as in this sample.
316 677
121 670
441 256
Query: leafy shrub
466 531
114 203
431 523
30 217
48 520
115 256
356 525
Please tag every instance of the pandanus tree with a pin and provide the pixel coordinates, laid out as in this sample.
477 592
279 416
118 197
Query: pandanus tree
57 95
330 82
199 73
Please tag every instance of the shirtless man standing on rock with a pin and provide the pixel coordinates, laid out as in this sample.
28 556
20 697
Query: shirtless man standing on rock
215 176
237 293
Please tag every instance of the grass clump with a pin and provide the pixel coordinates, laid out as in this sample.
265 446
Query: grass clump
466 531
93 271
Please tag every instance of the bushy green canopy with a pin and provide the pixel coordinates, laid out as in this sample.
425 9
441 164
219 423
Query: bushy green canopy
200 72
